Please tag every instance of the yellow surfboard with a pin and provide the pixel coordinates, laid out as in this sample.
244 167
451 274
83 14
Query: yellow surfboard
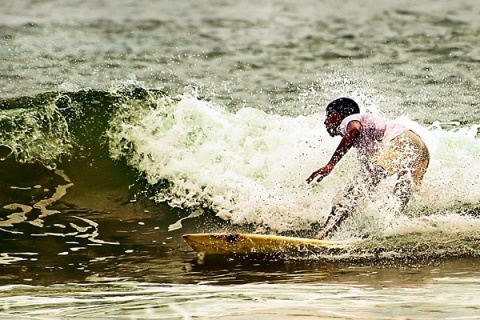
240 244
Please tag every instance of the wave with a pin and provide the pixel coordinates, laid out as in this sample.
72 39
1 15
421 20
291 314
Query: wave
50 126
248 167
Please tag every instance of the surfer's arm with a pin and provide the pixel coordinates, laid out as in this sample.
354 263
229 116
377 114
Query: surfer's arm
353 132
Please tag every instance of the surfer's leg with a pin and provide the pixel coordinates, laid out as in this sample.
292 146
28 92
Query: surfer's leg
406 156
334 220
416 158
364 184
343 208
404 187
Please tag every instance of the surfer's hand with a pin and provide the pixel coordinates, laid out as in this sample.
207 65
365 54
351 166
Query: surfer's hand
320 173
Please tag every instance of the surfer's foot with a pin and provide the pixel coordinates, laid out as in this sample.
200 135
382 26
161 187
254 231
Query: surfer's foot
322 235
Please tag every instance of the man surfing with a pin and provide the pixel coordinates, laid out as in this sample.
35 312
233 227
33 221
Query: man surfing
385 148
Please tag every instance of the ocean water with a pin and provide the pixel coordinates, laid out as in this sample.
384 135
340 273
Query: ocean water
125 124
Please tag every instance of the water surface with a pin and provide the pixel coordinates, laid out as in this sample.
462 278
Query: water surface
120 120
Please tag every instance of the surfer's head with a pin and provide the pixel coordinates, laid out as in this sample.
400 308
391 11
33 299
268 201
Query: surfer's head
337 110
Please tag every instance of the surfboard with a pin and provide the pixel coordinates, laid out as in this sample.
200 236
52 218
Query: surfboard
240 244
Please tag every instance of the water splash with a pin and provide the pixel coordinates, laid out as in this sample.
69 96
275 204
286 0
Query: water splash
250 166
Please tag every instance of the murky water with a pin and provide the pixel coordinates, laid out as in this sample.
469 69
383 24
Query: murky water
118 120
338 293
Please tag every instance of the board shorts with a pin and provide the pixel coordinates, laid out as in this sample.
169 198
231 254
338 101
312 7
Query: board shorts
406 154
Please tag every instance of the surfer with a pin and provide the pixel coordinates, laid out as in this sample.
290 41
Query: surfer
385 148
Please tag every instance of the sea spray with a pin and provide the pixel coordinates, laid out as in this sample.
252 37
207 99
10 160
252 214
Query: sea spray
35 133
247 166
250 166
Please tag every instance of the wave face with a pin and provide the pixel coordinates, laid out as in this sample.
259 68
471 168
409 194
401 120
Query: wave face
247 166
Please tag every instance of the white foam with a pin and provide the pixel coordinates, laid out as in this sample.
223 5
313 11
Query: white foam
250 166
